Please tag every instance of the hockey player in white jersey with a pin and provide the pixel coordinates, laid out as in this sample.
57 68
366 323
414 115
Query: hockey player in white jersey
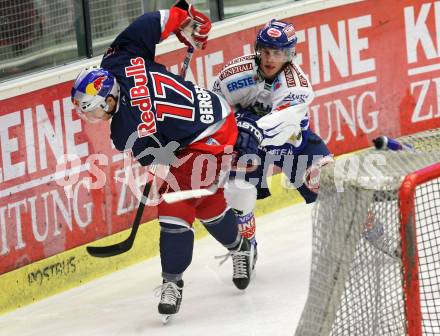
271 95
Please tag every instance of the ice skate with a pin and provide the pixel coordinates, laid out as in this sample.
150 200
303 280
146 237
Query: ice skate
242 259
255 254
170 299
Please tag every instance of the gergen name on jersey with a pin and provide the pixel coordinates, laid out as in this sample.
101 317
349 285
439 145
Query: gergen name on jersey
205 105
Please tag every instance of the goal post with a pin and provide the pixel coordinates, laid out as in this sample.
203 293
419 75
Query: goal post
376 244
420 249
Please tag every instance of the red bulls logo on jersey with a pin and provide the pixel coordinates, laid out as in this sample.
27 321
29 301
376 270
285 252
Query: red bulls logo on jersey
140 96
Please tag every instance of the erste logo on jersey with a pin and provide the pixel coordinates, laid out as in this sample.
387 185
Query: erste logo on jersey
240 83
140 96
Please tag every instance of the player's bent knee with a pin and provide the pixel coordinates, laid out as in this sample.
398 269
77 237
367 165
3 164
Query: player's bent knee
223 228
214 220
174 225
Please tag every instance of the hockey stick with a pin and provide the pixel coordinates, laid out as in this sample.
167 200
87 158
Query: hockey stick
125 245
176 196
186 61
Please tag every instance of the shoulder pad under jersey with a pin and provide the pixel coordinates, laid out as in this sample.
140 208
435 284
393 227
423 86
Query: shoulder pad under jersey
238 66
295 77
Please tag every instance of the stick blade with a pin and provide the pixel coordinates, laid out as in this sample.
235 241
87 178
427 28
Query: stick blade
177 196
107 251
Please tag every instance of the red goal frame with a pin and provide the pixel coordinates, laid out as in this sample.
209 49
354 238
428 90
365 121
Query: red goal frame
410 255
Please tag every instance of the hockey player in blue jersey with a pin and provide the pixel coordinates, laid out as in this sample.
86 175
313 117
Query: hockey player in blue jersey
271 95
152 110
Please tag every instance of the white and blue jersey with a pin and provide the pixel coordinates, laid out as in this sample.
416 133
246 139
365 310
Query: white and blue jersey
280 109
281 105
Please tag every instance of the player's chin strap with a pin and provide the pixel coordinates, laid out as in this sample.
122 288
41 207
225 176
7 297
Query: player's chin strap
107 106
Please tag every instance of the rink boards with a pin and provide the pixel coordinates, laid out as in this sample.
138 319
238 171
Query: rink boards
73 267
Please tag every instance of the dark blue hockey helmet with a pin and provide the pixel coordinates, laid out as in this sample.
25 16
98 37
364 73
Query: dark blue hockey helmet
277 35
91 88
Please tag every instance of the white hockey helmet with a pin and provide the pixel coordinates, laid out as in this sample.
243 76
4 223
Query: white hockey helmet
91 88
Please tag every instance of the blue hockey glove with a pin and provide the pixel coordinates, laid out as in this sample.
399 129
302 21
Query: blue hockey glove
249 138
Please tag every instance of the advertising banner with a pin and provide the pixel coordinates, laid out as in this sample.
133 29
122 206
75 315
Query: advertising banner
61 182
373 68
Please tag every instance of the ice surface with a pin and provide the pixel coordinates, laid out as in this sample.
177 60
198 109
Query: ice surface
124 303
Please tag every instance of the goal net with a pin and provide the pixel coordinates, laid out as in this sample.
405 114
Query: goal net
376 244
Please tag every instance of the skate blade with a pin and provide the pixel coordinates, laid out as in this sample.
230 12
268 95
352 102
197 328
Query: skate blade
166 318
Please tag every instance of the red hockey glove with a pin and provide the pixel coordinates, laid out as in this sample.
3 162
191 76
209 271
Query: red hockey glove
191 27
313 173
195 29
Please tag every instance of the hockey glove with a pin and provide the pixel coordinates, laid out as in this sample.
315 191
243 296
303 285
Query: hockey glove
190 26
194 30
313 173
249 137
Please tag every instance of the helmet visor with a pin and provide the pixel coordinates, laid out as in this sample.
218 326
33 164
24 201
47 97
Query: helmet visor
87 116
281 55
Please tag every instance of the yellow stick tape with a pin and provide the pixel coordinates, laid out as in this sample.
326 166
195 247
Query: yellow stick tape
74 267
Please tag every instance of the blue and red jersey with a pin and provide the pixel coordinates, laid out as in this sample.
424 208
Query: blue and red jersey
156 106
